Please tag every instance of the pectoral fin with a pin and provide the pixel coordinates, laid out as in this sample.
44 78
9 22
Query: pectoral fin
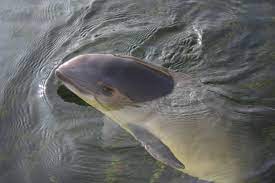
154 146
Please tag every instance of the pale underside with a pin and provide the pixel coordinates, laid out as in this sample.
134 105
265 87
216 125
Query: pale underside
195 135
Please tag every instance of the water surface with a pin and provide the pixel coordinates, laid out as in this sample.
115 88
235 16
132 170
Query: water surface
46 137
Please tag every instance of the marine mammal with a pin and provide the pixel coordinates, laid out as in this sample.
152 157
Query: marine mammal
167 113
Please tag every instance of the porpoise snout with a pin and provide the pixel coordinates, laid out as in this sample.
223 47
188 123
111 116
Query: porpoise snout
77 74
60 73
65 73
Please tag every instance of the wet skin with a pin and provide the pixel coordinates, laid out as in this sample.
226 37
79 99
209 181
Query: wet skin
129 91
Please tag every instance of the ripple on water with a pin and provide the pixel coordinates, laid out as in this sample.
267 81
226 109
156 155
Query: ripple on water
43 12
47 137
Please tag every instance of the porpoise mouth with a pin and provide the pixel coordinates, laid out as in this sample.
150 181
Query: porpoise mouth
66 79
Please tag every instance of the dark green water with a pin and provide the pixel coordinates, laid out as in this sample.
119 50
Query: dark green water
46 137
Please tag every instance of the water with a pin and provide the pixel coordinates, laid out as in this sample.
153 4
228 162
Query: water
49 137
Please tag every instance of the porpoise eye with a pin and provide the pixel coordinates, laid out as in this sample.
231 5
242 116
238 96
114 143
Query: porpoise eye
107 90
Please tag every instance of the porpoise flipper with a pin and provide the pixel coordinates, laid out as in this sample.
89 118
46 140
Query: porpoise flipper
154 146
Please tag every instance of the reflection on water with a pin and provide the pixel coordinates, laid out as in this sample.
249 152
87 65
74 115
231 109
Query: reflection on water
68 96
228 45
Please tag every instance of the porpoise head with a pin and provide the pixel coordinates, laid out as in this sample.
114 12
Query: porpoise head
114 80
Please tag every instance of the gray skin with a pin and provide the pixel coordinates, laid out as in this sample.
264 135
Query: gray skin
168 113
